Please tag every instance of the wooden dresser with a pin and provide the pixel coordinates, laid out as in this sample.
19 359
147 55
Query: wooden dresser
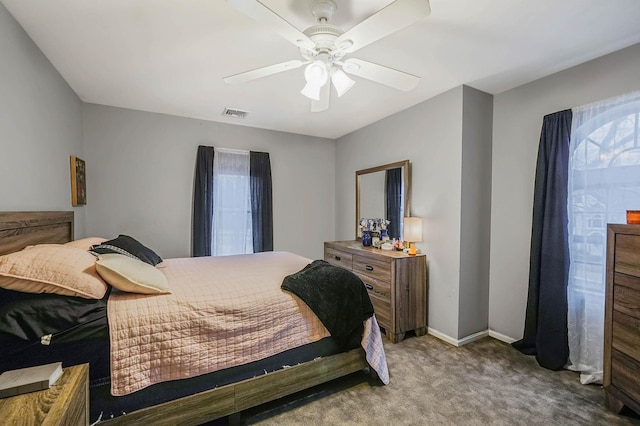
65 403
397 284
622 318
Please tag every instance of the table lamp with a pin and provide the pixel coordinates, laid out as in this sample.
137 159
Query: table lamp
412 232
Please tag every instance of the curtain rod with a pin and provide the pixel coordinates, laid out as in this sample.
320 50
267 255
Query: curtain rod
230 150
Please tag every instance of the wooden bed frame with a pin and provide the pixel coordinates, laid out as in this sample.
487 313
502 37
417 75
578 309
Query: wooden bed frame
20 229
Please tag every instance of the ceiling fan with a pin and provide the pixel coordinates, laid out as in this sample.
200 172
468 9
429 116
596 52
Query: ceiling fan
324 46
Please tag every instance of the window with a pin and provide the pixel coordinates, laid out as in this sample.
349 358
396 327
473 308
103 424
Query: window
604 182
232 233
241 189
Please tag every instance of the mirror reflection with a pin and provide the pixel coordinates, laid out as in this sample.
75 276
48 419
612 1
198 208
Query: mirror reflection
374 204
382 192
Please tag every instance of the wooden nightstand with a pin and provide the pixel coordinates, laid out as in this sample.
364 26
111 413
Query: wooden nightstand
65 403
397 284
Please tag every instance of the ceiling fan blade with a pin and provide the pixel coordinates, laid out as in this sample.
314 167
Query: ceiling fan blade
269 19
263 72
323 103
392 18
381 74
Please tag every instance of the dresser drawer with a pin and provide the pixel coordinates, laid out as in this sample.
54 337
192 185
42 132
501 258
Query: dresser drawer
626 338
625 374
626 295
627 260
382 309
380 289
338 258
378 268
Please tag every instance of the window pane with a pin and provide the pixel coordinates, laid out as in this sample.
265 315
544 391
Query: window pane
231 204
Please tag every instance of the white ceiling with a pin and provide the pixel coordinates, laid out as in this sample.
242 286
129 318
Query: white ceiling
169 56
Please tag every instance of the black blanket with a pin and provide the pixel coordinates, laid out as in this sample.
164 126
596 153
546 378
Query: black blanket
337 296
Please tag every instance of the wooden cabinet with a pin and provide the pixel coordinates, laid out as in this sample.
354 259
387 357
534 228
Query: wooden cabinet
397 284
622 318
65 403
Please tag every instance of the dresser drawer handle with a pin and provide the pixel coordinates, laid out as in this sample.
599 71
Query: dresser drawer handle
368 268
337 258
368 286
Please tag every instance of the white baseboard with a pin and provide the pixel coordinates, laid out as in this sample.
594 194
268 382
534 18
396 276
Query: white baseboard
501 337
442 336
458 342
471 338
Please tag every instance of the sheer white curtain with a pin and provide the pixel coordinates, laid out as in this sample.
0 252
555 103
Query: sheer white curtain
231 203
604 182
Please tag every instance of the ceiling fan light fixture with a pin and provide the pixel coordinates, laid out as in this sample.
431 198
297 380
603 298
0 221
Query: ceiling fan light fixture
341 81
316 76
324 45
316 73
311 91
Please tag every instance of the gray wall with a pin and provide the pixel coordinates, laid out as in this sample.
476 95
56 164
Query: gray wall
447 139
40 127
429 135
140 178
477 114
517 121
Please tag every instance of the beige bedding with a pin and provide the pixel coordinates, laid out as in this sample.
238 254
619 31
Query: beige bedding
223 311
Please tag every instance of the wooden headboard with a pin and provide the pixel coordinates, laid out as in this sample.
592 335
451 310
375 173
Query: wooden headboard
21 229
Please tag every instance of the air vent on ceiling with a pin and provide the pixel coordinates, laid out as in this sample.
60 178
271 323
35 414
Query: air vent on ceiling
235 113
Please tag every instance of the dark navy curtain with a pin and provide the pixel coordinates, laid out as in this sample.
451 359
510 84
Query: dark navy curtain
261 201
394 201
545 330
203 202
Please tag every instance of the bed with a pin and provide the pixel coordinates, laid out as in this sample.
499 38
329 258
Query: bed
171 397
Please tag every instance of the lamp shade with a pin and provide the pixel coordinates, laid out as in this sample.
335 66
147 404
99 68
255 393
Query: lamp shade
316 76
311 91
340 81
412 229
316 73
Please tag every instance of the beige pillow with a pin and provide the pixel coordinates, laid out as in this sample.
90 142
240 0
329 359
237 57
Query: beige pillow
86 243
52 268
131 275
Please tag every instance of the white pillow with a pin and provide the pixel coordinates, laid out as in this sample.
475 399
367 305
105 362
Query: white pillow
131 275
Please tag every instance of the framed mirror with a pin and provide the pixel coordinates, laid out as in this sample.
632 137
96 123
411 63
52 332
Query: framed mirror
383 192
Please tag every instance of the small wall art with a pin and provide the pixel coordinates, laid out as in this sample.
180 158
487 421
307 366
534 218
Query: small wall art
78 182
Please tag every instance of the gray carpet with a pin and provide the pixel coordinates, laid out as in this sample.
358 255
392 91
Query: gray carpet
433 383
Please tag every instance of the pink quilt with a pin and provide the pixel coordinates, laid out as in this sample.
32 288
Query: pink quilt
223 312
